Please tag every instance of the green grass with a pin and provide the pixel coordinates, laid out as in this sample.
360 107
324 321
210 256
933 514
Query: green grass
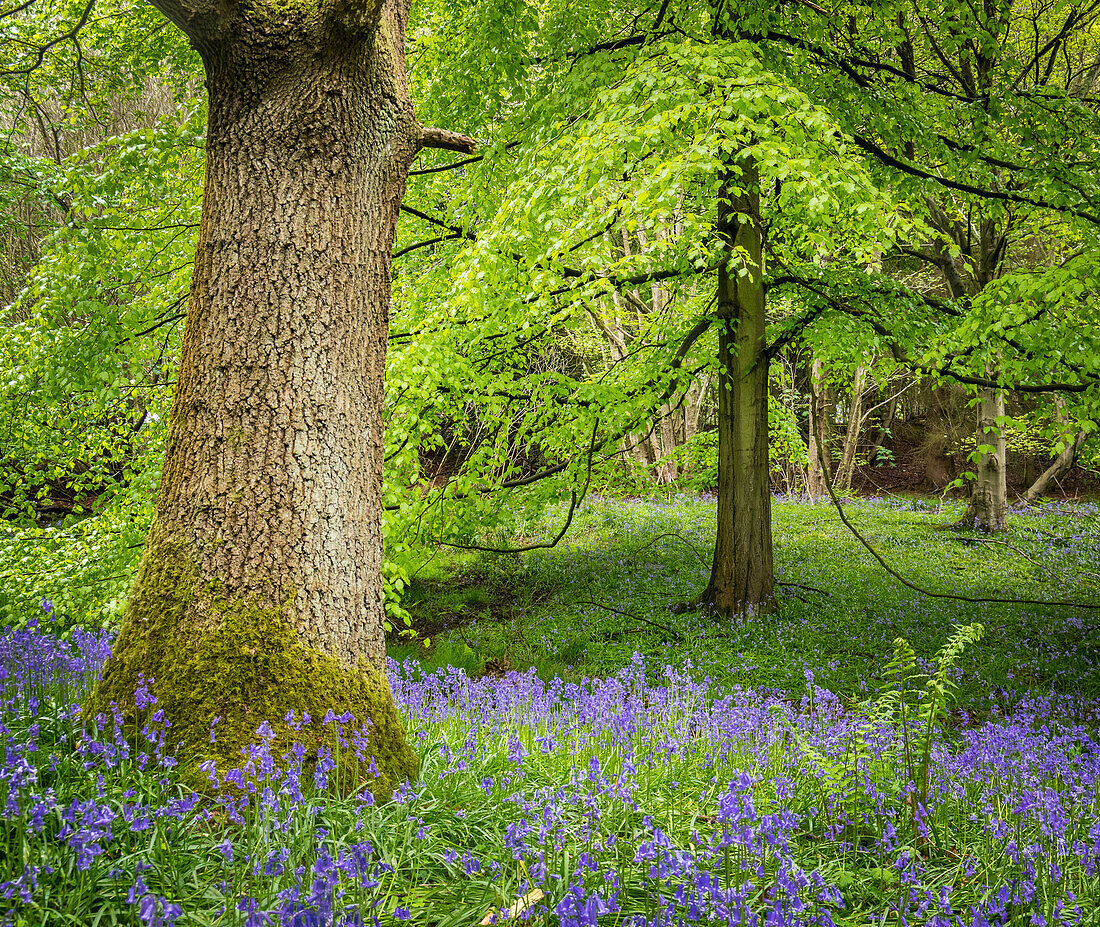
839 612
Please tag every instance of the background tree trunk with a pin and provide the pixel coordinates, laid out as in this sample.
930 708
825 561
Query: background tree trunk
989 495
884 428
260 588
742 575
1063 463
843 481
817 443
693 406
981 242
670 427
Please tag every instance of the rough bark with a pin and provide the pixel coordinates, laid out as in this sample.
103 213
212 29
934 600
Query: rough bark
742 576
818 476
260 588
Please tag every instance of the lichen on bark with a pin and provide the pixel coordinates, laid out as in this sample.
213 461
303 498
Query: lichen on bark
212 656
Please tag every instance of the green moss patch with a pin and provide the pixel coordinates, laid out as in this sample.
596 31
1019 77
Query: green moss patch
243 663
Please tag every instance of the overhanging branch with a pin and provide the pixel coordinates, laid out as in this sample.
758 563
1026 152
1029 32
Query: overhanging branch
447 140
901 355
914 170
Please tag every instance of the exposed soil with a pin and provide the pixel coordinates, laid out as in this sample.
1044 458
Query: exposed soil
913 469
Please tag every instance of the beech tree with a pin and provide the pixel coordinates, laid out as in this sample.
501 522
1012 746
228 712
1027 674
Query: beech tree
704 135
985 114
259 593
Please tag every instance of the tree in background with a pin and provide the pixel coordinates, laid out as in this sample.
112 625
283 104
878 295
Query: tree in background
984 114
696 134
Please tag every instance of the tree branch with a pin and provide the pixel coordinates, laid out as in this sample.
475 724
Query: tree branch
901 355
915 171
16 9
575 497
447 140
41 50
197 19
456 164
425 244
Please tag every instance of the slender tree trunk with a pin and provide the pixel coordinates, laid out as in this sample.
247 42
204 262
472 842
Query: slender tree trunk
665 437
666 431
260 591
817 477
664 434
1063 463
742 576
693 406
843 479
989 494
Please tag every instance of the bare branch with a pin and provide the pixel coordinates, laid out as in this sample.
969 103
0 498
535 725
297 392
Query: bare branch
439 168
42 50
447 140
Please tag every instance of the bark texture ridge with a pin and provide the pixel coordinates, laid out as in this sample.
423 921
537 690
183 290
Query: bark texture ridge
264 563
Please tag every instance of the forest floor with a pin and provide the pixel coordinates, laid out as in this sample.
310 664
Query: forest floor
585 607
637 767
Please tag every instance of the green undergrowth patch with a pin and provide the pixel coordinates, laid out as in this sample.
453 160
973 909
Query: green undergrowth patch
607 591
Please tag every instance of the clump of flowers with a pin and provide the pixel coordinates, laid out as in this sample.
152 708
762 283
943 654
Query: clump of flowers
621 800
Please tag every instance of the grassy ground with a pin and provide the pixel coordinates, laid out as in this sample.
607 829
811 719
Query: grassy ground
585 607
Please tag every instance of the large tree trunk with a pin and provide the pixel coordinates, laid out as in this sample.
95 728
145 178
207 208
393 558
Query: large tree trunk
989 494
742 576
818 464
260 591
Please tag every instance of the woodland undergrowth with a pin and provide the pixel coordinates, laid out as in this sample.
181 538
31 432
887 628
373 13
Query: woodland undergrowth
646 793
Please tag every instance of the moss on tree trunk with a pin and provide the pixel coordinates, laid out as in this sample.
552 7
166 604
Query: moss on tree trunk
225 666
260 589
